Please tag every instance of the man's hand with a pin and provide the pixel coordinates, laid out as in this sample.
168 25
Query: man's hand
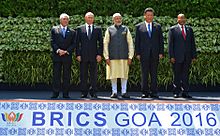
78 58
160 56
62 52
108 61
193 60
98 58
138 57
173 60
129 61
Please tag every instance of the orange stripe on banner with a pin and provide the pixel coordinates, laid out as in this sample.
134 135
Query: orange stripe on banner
113 101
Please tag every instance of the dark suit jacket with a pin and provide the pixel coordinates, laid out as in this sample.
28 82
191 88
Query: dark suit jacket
144 45
87 48
179 48
67 43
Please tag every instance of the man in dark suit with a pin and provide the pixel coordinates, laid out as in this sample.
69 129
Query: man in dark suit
88 51
63 43
182 51
149 48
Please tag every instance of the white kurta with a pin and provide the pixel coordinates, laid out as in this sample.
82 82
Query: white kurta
118 68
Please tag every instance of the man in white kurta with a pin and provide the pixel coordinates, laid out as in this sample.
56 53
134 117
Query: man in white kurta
118 52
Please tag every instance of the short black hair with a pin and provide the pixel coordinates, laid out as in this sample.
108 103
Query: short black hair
149 10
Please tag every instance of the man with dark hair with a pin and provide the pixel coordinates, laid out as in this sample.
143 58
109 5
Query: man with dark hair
149 10
149 48
63 43
182 51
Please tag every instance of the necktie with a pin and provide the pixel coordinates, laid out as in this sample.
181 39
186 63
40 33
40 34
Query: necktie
64 32
149 30
89 32
183 33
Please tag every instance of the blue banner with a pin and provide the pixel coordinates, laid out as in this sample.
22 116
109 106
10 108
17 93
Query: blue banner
108 118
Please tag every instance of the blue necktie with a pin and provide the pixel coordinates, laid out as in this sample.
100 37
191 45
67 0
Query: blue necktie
149 30
64 32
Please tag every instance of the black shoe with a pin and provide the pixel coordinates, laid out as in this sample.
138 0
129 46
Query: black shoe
93 95
154 96
176 95
186 95
55 95
66 96
114 95
83 96
125 95
145 95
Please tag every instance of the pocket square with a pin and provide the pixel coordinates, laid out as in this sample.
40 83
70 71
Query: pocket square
123 33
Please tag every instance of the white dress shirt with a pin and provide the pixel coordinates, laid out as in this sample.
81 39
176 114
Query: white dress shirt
87 28
63 27
184 27
147 26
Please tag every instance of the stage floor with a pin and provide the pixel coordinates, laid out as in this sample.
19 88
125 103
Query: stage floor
75 95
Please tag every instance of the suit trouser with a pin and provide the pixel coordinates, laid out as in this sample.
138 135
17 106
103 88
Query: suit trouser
58 68
88 68
181 76
149 67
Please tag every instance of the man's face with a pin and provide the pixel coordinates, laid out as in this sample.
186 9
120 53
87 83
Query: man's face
117 20
149 16
64 21
89 19
181 19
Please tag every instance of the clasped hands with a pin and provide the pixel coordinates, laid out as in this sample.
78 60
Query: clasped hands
62 52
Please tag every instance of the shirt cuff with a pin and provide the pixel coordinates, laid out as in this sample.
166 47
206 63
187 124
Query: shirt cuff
57 51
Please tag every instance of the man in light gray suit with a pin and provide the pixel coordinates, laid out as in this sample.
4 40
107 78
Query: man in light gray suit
182 51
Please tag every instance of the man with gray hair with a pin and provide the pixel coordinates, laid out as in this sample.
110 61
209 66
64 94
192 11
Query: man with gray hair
63 43
89 50
118 53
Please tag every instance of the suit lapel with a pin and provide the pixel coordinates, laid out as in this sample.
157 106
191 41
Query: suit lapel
144 27
187 31
178 30
153 29
93 30
67 32
60 31
84 32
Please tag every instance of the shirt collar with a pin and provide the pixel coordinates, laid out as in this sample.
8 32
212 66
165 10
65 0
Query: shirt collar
148 23
87 25
181 26
63 27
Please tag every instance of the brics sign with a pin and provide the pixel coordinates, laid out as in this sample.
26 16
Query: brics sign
109 118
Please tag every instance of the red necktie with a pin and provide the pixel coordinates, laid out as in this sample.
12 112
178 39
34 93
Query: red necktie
183 33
